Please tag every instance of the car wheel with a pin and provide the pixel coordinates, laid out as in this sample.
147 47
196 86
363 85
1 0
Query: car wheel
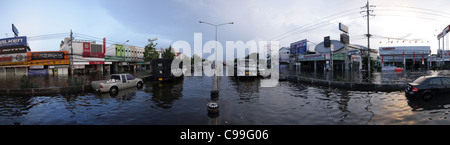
139 85
427 96
113 91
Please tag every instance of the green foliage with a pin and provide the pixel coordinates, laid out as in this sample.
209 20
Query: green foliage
26 82
77 81
168 53
150 52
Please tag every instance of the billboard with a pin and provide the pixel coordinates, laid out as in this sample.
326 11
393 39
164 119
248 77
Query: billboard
13 59
48 58
13 42
299 47
48 55
93 50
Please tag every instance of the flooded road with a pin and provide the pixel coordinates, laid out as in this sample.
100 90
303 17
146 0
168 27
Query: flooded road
242 102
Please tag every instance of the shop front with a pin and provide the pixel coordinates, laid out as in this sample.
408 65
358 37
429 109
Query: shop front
48 63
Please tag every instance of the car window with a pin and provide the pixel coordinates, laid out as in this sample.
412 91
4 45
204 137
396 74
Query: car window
446 81
130 77
435 81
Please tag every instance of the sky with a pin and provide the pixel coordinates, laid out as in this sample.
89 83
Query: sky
258 20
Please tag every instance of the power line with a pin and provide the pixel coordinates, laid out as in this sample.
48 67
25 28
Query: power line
283 35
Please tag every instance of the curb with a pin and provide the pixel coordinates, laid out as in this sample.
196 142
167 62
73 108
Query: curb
348 85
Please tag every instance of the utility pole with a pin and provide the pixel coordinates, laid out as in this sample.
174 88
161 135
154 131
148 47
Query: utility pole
71 53
368 12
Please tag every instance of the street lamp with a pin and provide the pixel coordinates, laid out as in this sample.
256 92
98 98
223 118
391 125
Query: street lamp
125 42
215 91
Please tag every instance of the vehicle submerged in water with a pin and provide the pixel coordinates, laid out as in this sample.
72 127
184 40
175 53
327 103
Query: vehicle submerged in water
117 82
162 70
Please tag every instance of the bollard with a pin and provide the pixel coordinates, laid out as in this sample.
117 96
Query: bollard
214 95
213 109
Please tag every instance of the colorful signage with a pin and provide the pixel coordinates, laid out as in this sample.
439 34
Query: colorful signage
48 55
298 47
13 42
13 59
93 50
48 58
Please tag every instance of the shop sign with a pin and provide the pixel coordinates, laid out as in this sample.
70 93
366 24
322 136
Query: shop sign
78 66
13 50
96 62
47 55
7 58
13 42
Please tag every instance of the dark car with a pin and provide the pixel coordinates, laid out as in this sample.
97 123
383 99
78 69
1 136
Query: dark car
427 87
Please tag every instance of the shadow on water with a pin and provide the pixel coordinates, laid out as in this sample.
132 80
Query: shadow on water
166 93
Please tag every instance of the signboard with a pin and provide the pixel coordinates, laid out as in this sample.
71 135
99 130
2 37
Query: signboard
345 39
343 28
353 52
326 41
48 55
93 50
78 66
96 62
13 50
14 29
13 42
13 59
299 47
48 58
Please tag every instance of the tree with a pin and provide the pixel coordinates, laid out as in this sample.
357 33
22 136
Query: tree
168 53
150 52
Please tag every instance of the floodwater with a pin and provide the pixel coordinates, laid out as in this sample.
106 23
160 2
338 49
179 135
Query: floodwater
242 102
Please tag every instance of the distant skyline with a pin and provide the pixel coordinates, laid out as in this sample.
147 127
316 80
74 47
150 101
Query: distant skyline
172 20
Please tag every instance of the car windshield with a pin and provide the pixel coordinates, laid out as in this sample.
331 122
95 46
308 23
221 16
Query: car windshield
419 80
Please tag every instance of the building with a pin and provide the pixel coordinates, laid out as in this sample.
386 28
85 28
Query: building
48 63
88 56
13 56
344 56
284 55
408 57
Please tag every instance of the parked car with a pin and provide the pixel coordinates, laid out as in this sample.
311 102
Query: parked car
427 87
116 83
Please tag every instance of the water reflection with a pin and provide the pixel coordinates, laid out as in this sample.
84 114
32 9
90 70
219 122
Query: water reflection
439 102
165 94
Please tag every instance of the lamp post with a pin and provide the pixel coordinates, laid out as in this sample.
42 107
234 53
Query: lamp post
215 90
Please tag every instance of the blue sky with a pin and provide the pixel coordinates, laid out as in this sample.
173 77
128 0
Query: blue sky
172 20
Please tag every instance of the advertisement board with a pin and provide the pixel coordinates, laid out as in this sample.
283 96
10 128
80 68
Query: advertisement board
48 55
299 47
13 50
48 58
13 59
93 50
13 42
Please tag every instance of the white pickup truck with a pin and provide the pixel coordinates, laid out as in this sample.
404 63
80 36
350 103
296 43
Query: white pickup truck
116 83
